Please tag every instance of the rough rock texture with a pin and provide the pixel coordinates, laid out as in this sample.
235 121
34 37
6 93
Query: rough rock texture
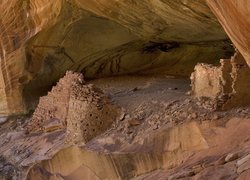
83 109
125 164
162 133
52 110
20 20
228 85
165 20
207 81
41 39
234 17
90 113
196 150
211 163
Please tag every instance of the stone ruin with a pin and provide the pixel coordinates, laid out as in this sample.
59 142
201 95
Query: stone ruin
227 85
80 108
90 113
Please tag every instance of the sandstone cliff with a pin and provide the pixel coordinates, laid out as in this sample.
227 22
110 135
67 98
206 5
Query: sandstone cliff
143 124
234 17
41 39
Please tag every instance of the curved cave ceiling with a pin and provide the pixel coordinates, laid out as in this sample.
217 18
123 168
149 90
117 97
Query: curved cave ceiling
40 40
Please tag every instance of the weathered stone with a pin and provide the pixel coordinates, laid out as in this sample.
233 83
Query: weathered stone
243 160
234 17
231 157
133 122
131 160
243 164
244 176
126 153
85 120
227 85
75 106
52 110
206 81
40 40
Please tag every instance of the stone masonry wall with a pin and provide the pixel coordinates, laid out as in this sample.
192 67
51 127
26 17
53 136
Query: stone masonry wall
224 84
72 104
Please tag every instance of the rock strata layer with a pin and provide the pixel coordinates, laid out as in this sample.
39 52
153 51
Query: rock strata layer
160 133
234 17
41 39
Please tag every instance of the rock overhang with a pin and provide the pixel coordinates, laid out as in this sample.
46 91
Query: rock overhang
42 40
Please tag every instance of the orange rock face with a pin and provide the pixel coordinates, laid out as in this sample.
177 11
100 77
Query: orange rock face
41 39
19 22
234 17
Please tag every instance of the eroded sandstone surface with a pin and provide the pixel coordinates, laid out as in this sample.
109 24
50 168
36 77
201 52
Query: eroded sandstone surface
41 39
234 17
161 130
146 123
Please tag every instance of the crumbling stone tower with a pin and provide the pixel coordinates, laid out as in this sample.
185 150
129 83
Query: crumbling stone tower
90 113
80 108
228 84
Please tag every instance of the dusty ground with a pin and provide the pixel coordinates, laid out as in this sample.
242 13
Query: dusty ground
160 122
152 103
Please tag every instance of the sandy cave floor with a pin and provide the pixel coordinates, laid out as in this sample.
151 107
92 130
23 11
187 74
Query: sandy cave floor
152 103
149 104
